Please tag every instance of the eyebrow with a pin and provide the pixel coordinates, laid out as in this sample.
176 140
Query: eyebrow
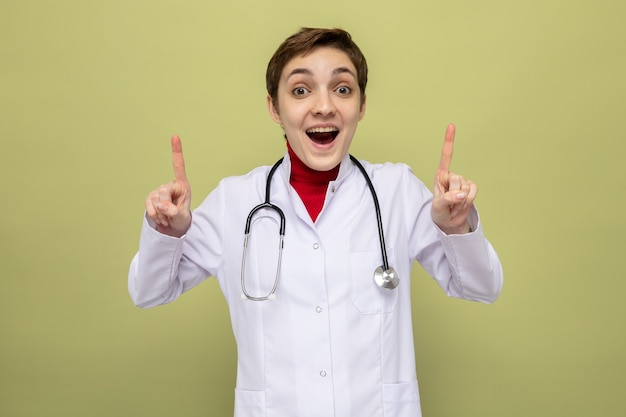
308 72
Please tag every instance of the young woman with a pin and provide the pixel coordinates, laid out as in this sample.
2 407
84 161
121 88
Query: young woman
319 294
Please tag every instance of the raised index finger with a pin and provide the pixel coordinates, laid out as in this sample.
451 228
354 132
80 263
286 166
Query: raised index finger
447 150
178 160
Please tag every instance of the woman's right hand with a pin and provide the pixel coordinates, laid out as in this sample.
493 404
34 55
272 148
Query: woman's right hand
169 205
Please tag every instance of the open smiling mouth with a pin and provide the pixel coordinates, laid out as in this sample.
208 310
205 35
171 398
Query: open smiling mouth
322 135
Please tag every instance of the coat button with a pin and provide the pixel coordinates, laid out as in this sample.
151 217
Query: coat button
316 246
318 309
322 373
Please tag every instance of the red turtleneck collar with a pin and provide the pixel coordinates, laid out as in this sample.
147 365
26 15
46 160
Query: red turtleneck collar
311 185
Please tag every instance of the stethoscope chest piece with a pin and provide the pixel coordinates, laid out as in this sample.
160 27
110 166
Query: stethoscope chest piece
386 278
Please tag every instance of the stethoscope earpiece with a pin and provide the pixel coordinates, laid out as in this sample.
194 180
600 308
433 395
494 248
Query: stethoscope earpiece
386 278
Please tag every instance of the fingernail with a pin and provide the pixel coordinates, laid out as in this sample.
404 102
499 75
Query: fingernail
460 196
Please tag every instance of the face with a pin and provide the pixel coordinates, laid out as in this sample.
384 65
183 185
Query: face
319 106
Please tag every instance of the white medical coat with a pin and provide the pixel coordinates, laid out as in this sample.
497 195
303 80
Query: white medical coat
332 343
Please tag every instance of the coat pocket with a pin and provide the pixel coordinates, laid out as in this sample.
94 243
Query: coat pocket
401 399
367 296
249 403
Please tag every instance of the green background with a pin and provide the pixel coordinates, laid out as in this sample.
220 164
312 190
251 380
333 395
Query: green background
90 93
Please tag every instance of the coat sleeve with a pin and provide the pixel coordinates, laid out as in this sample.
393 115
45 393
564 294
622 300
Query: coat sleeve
165 266
153 275
464 266
475 269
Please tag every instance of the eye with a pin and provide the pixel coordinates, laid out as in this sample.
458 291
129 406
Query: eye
343 90
300 91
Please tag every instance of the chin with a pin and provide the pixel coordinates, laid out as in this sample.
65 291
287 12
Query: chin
323 164
318 155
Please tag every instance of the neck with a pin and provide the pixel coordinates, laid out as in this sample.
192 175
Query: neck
300 172
311 185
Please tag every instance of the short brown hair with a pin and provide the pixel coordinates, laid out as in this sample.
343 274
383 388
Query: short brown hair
303 42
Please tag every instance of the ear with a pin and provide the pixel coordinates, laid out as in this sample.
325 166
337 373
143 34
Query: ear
273 110
362 111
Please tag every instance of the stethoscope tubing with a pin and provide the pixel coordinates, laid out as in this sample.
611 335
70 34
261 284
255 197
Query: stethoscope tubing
384 276
379 220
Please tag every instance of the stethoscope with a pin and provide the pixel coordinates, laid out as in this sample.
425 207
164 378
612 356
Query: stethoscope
384 276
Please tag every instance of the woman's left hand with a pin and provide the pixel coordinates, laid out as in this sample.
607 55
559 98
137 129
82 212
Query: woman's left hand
453 194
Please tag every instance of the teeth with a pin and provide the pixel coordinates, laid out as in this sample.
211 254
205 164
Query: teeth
322 129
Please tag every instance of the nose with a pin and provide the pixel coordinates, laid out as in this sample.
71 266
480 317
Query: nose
323 105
